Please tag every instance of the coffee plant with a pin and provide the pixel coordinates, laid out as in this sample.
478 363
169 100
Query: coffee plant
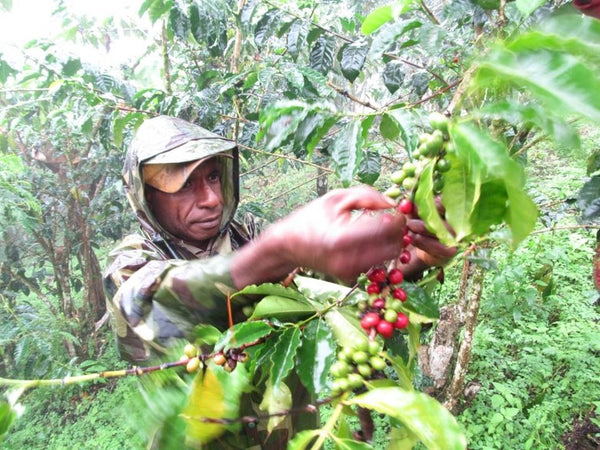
445 100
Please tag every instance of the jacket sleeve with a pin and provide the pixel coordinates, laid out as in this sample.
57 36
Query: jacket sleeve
154 300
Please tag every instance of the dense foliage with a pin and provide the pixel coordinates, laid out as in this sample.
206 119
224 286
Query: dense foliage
311 89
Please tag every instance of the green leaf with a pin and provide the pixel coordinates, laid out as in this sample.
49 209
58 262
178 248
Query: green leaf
7 418
351 444
422 415
560 81
489 160
420 302
318 81
390 36
384 14
370 168
346 327
571 33
526 7
179 23
276 401
520 114
243 333
321 292
282 308
295 38
303 439
284 356
393 76
428 212
156 8
347 152
388 127
315 356
206 334
588 199
492 211
266 27
352 59
322 54
270 289
462 188
410 127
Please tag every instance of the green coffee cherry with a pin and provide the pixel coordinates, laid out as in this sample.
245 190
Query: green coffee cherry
390 315
377 363
360 357
409 169
190 350
355 380
443 165
340 369
398 177
374 347
393 192
364 370
439 122
409 183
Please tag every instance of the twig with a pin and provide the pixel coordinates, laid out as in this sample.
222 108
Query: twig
348 95
291 158
566 227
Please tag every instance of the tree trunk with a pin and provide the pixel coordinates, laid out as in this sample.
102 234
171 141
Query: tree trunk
455 389
322 182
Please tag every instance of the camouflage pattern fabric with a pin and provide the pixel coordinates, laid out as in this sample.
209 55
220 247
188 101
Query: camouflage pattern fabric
159 288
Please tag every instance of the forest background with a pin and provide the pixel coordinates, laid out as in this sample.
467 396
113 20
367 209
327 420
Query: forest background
318 95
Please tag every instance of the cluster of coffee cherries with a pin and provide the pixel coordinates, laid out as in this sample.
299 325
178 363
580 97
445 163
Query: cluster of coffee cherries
383 312
356 364
228 359
432 146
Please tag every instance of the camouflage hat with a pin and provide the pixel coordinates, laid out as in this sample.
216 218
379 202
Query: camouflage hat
169 148
167 140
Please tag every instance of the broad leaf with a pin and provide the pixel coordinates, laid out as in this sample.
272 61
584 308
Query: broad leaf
282 308
347 152
409 125
7 417
346 327
520 114
490 161
352 58
321 292
266 27
460 194
370 168
427 208
420 302
276 400
526 7
393 76
284 355
295 38
315 356
322 54
384 14
270 289
303 439
208 399
351 444
179 23
243 333
560 81
426 418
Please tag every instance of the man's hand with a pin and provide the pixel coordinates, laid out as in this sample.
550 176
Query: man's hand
342 234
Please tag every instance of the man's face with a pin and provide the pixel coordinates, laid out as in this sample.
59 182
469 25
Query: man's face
194 212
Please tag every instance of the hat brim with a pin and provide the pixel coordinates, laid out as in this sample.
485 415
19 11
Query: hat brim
170 177
192 151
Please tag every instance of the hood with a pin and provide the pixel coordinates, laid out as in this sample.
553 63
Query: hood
173 140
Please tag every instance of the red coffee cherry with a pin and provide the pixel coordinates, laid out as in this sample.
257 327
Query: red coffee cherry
406 240
379 303
406 206
370 320
377 275
405 257
395 276
400 294
373 288
401 321
385 329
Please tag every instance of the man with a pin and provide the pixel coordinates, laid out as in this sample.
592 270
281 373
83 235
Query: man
182 182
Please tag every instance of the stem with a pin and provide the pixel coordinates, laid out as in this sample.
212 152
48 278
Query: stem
329 426
26 384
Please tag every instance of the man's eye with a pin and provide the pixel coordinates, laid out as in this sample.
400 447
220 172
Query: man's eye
187 185
215 176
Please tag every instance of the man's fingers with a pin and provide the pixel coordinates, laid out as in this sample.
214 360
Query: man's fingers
359 198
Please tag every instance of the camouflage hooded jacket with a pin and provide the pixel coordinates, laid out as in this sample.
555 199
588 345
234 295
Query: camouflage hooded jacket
159 287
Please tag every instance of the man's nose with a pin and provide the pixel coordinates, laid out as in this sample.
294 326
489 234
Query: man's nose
206 196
